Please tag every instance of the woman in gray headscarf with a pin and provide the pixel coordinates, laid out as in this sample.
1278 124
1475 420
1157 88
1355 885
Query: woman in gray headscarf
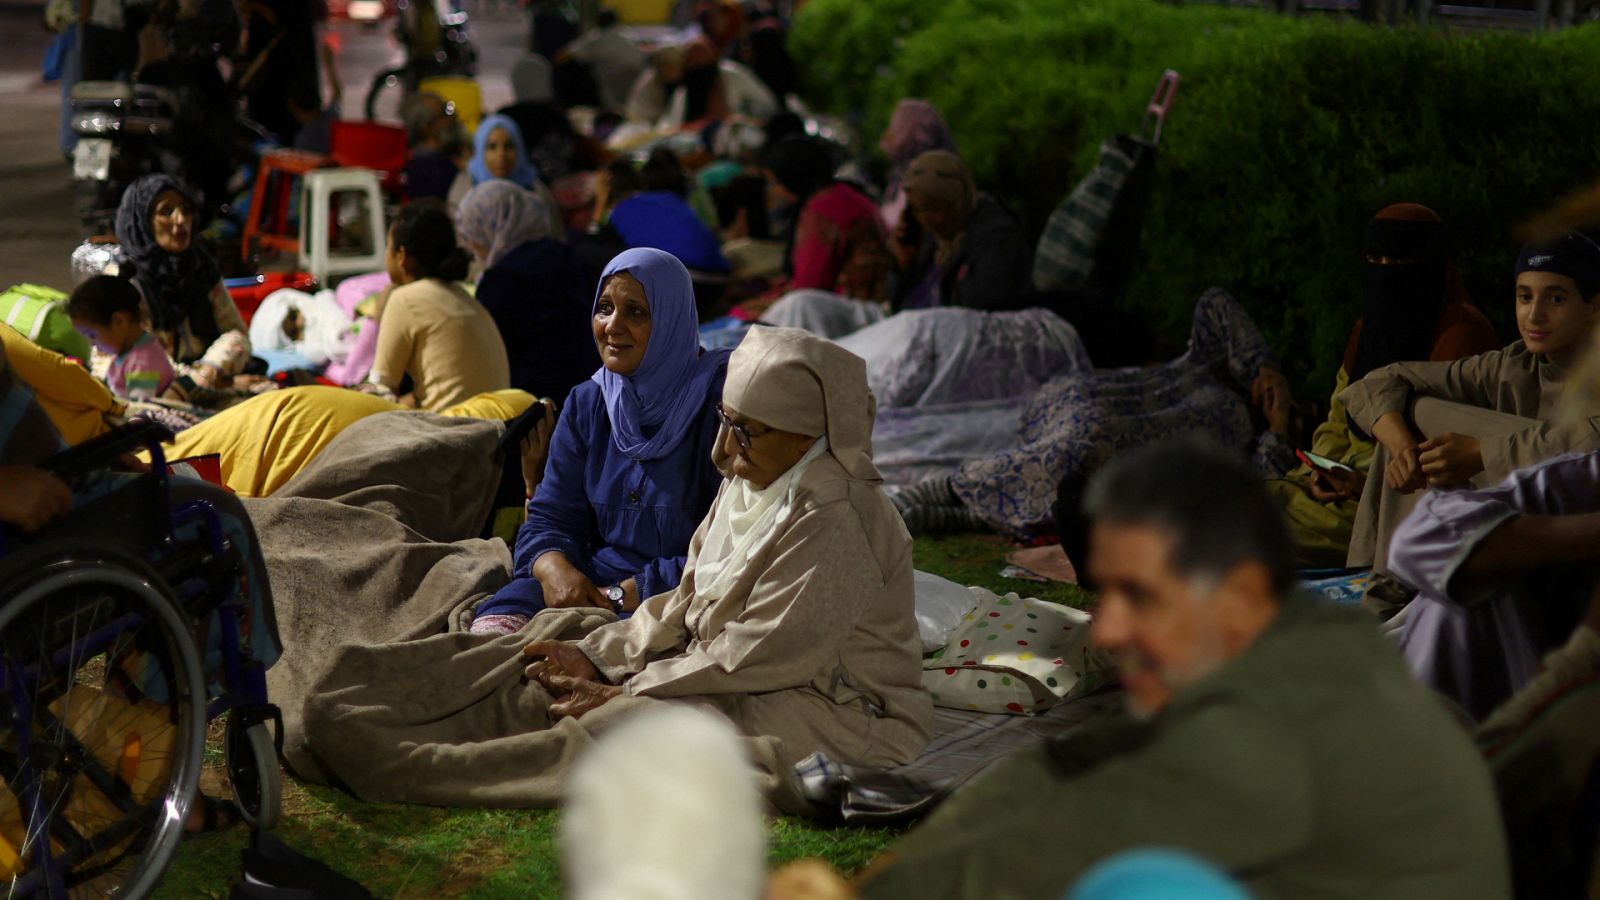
794 616
532 286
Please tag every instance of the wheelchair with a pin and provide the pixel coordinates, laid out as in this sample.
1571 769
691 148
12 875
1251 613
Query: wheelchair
120 641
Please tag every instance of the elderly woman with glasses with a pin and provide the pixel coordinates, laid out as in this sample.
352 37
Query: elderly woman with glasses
629 472
795 613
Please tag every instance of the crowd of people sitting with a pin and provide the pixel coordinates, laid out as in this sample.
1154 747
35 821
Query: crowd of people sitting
728 373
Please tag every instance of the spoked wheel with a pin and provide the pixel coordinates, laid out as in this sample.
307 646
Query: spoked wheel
253 768
102 711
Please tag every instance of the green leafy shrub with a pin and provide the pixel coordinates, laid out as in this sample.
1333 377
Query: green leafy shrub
1287 135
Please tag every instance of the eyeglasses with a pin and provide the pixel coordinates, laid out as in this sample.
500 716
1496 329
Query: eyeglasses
741 433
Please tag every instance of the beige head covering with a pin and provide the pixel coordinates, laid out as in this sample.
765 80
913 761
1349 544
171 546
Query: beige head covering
795 381
940 177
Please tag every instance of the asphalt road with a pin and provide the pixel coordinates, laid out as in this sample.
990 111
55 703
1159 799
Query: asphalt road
38 228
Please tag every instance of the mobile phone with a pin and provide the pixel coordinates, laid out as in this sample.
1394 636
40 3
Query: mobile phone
1322 462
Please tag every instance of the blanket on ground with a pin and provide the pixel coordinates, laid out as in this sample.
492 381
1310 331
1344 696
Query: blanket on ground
375 578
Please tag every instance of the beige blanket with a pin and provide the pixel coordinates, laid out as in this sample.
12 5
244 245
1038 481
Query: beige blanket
375 574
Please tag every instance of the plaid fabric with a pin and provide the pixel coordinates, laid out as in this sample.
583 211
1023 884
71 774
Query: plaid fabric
1065 257
964 745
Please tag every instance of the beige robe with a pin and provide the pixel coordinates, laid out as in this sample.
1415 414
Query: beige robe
1510 399
816 642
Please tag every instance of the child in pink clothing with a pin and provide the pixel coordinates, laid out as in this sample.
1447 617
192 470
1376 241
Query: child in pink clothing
106 310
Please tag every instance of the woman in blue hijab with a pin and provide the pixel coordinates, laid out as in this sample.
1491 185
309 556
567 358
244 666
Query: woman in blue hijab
629 475
498 152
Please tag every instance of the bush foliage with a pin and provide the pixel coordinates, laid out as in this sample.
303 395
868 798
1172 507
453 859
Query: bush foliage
1286 136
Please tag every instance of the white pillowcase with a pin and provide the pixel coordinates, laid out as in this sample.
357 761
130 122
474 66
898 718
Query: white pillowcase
941 605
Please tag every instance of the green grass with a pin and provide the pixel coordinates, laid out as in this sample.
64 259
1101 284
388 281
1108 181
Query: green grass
419 851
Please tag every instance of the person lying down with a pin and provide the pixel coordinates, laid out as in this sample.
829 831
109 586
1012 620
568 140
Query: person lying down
794 616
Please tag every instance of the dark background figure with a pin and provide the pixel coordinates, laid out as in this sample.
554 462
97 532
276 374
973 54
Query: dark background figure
551 29
280 70
196 42
109 49
547 133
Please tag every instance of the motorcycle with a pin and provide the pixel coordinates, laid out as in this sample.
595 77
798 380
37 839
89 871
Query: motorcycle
179 118
440 44
124 132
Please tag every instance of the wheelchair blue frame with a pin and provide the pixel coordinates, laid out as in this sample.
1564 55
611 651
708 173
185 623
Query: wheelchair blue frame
204 581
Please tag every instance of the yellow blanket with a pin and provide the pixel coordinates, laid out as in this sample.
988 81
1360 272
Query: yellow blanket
266 440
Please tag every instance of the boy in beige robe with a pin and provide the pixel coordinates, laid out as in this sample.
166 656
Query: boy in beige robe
1501 409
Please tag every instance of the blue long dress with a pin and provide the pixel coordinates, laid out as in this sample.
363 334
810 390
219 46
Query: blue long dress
612 517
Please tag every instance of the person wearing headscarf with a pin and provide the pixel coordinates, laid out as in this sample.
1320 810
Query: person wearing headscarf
629 473
972 246
1476 420
794 616
185 302
499 152
1416 309
839 243
546 131
532 286
915 128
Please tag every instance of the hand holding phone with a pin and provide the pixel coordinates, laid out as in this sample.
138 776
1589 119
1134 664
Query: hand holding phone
1322 463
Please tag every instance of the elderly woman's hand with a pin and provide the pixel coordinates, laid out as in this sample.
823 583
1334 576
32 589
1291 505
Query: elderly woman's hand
582 696
564 586
558 658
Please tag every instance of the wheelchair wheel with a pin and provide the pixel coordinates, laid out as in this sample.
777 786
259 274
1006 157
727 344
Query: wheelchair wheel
102 713
253 768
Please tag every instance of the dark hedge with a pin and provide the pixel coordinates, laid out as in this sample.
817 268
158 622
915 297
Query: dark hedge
1286 136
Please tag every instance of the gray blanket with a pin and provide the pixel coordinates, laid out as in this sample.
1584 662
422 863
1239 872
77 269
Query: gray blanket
372 543
375 573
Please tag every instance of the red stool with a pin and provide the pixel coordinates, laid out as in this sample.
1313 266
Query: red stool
277 183
369 145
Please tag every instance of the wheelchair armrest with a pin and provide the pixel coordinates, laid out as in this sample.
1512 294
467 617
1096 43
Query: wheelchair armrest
102 451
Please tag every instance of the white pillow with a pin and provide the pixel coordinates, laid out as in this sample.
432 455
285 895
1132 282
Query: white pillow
941 604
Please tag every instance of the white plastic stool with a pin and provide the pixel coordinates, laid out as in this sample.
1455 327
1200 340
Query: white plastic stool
322 220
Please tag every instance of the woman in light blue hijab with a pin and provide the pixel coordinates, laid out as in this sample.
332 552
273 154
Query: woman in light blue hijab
498 152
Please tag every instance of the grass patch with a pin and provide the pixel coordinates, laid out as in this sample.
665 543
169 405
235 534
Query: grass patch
419 851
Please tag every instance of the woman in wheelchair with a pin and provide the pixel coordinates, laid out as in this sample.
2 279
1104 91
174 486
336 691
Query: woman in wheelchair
134 606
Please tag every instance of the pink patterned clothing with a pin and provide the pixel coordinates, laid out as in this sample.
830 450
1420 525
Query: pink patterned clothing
142 371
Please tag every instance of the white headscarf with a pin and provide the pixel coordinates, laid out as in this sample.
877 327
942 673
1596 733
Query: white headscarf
744 520
794 381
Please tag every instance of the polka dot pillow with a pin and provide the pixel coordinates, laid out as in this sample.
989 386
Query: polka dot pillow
1013 655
